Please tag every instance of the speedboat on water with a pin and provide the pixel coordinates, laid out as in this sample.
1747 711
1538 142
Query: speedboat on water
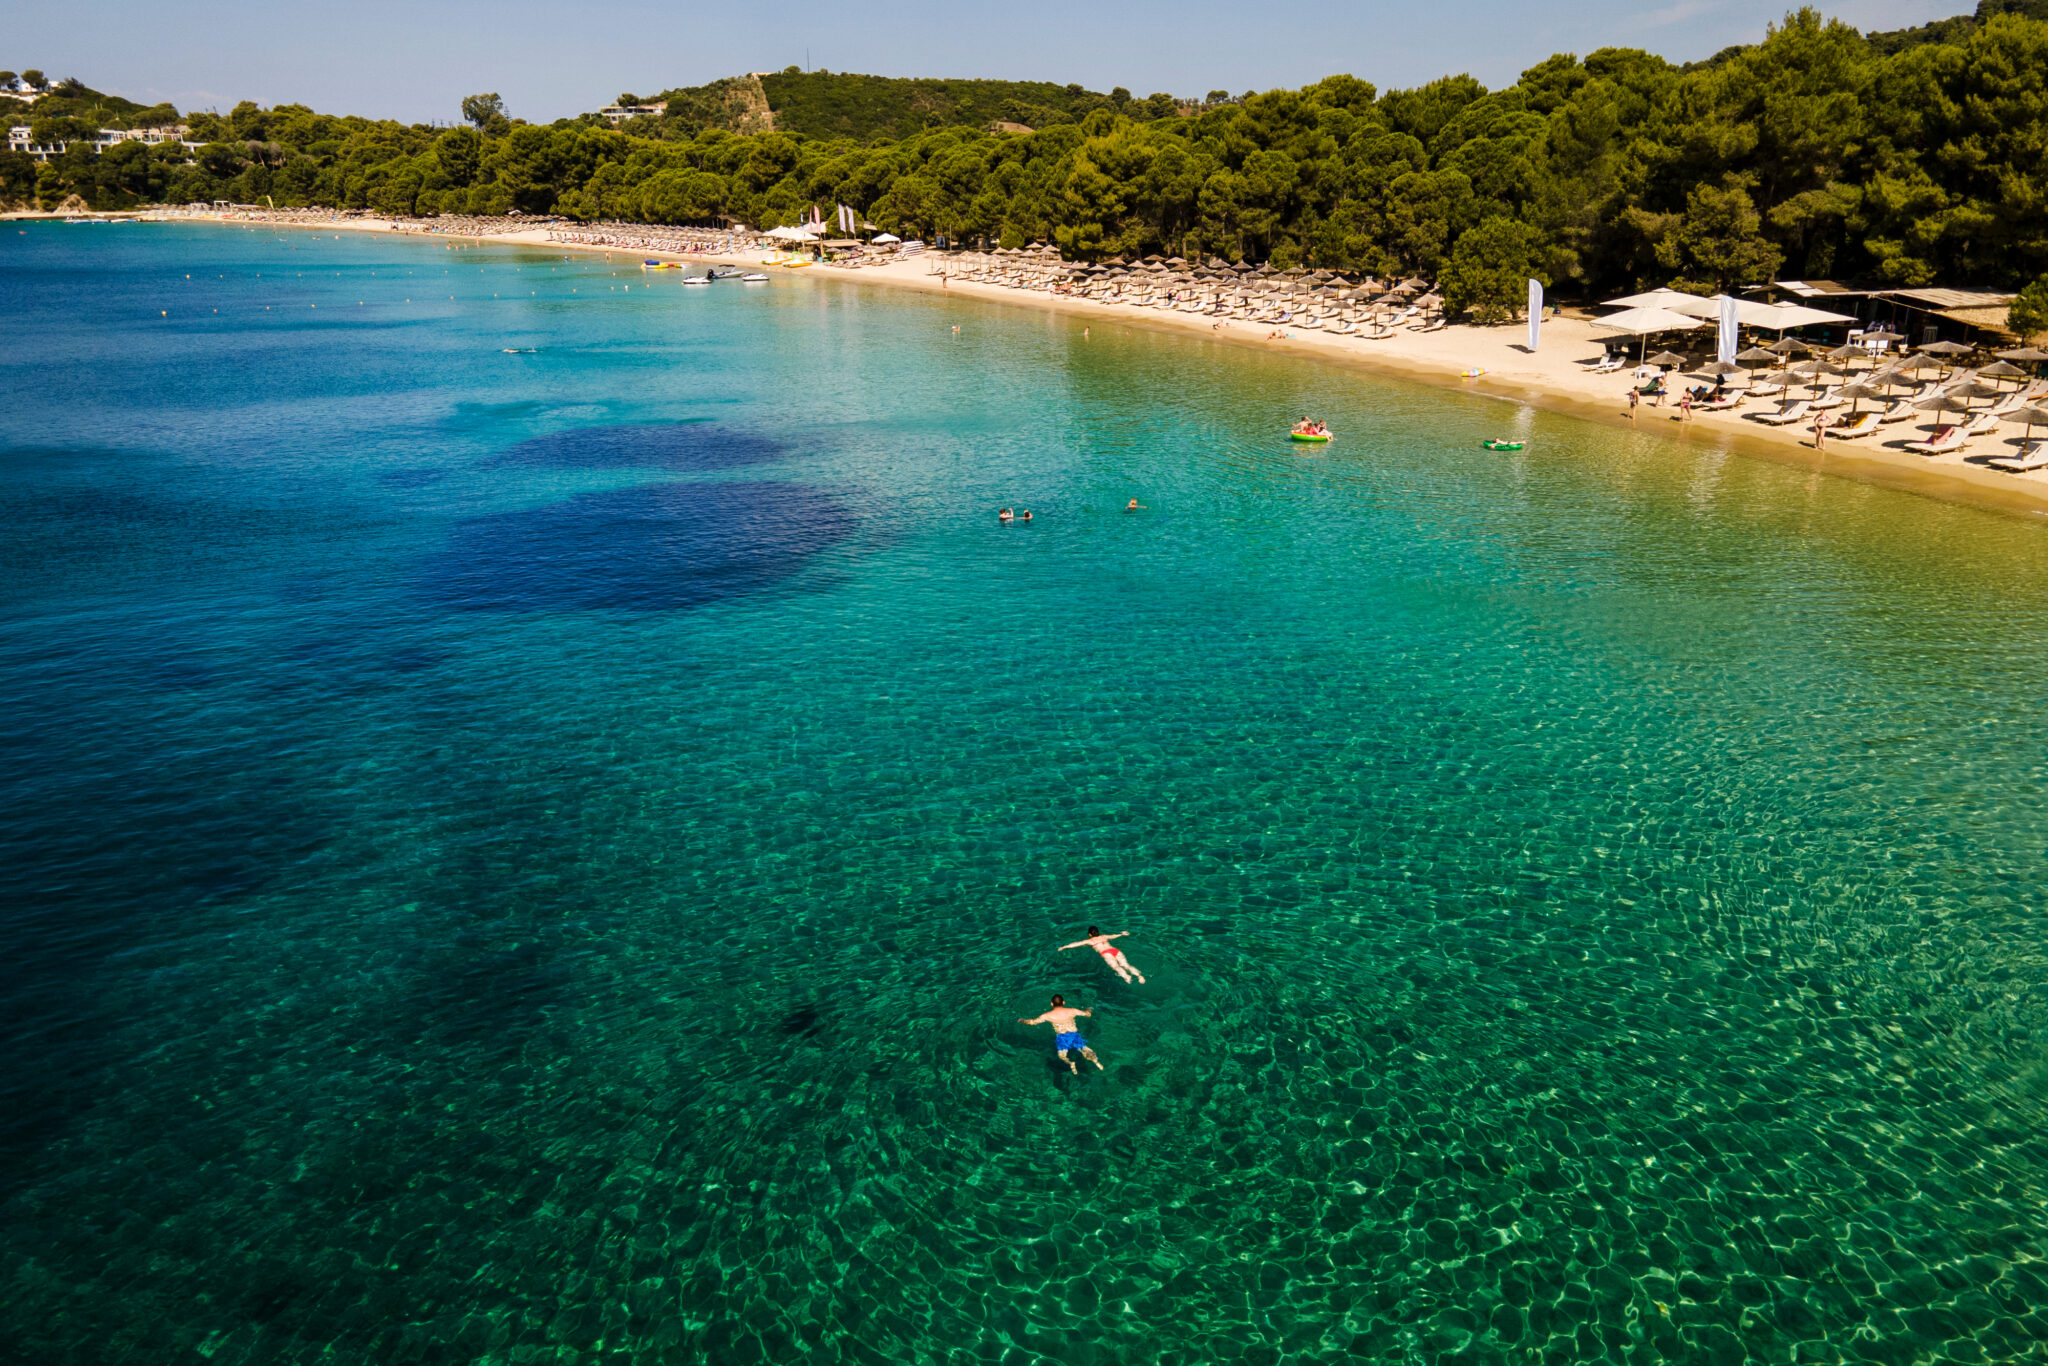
757 278
696 279
716 273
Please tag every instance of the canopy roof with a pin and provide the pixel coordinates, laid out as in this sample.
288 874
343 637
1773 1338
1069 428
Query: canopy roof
1639 322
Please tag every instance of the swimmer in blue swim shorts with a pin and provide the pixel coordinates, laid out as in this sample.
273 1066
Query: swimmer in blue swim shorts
1066 1039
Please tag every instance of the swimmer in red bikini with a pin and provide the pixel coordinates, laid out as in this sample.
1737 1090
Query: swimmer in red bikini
1111 954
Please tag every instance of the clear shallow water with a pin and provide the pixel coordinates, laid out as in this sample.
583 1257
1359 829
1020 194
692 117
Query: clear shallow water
535 858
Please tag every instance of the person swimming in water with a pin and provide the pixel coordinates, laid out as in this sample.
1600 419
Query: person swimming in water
1131 506
1066 1039
1111 954
1004 515
1025 515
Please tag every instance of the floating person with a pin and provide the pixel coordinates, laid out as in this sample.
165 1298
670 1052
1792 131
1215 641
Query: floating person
1132 506
1111 954
1025 515
1066 1040
1005 515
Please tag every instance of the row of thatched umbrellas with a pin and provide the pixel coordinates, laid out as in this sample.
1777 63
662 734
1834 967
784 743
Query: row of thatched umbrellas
1216 272
1877 383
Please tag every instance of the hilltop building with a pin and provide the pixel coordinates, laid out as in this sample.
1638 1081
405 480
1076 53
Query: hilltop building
21 138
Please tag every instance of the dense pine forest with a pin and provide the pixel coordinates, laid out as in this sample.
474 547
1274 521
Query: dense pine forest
1903 158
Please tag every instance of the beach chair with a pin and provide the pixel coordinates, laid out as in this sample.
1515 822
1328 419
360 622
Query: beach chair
2034 457
1784 416
1985 424
1899 411
1720 405
1829 398
1766 390
1946 439
1864 425
1435 324
1607 365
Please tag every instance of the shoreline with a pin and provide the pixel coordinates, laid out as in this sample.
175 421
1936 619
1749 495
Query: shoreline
1552 379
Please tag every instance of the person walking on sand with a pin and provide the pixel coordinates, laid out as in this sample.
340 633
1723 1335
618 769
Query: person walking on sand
1066 1039
1111 954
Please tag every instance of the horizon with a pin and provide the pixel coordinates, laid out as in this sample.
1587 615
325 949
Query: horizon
544 74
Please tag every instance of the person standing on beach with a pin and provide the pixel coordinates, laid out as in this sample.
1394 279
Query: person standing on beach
1066 1040
1633 399
1111 954
1820 428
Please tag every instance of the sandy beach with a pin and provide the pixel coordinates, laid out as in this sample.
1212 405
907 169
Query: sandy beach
1555 377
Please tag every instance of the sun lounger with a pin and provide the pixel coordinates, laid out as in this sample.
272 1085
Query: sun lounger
1783 416
2034 457
1766 390
1720 405
1864 425
1608 365
1829 399
1900 410
1435 325
1946 439
1983 426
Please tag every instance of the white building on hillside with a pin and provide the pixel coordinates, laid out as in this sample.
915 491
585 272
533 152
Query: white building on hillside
20 138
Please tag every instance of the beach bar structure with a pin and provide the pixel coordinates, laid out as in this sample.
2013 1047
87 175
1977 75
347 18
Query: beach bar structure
1921 315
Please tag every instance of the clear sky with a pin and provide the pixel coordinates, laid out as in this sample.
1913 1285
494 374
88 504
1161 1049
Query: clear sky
416 60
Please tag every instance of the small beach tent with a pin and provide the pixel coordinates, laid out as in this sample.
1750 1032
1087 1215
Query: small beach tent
883 239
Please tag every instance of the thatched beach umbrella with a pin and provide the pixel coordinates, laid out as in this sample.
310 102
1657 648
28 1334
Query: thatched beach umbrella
1946 348
1943 403
1999 369
2033 416
1975 388
1718 368
1668 359
1856 393
1790 346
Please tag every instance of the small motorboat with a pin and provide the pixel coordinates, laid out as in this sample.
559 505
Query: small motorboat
1497 445
757 278
715 273
696 279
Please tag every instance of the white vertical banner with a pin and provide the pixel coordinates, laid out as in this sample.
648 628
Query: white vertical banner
1535 314
1726 337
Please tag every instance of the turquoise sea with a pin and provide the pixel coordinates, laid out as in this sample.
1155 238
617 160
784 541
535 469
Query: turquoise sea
536 856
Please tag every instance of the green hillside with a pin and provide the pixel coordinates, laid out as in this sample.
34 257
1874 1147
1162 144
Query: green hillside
827 104
73 100
823 104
